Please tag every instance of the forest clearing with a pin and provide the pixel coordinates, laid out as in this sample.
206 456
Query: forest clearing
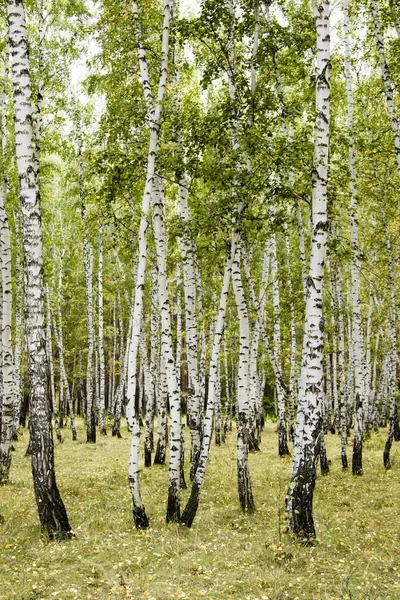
226 554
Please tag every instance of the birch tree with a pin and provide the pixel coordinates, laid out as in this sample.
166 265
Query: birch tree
7 404
308 424
154 107
52 513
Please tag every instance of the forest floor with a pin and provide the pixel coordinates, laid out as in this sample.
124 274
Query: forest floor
226 554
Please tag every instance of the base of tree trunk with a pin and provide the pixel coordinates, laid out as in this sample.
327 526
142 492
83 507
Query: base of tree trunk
91 429
217 435
173 507
283 448
159 458
194 461
52 514
192 505
345 464
253 444
115 432
396 427
386 453
300 501
103 430
74 435
140 518
147 457
323 461
357 457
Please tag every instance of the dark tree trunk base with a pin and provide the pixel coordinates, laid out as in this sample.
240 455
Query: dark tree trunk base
253 445
191 507
140 518
323 460
115 432
301 499
159 458
194 461
246 499
283 448
147 457
396 427
345 464
74 436
357 457
386 453
91 429
173 508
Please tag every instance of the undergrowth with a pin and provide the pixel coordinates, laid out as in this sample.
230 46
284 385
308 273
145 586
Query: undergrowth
226 554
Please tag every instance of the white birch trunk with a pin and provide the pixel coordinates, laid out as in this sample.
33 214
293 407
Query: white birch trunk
387 81
192 340
102 375
114 358
293 344
392 360
244 482
373 422
154 115
7 401
64 385
282 429
88 267
18 338
149 399
173 508
119 394
49 351
361 398
178 361
308 426
52 513
368 365
157 368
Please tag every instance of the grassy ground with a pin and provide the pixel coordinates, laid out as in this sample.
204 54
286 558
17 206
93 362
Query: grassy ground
225 555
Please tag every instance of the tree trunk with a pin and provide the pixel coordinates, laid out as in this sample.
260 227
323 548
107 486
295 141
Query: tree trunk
102 383
308 426
49 351
7 401
192 504
361 399
155 111
173 508
52 513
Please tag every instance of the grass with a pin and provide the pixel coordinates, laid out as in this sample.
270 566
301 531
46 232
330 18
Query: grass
225 555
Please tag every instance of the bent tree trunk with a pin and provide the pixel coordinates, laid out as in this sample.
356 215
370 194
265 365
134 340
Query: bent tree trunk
155 112
308 426
52 513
